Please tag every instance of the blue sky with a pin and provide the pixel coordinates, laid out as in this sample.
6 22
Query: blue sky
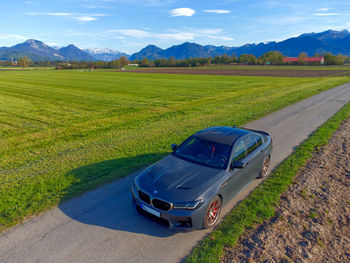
129 25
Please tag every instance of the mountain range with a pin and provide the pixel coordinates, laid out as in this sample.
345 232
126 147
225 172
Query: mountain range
336 42
105 54
39 51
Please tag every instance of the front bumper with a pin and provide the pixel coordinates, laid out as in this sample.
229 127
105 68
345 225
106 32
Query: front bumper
181 219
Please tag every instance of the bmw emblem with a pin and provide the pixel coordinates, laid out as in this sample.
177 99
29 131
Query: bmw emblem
155 192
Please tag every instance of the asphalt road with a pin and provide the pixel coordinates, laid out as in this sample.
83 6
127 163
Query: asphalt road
103 226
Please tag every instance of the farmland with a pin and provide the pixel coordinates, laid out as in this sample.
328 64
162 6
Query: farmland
262 71
64 132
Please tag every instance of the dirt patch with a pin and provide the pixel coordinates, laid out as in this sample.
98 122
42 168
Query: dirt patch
312 223
245 72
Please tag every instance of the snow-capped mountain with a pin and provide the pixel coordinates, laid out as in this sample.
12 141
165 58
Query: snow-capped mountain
38 51
105 54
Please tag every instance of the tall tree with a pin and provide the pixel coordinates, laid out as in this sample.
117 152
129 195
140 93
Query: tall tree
144 62
123 61
334 60
24 62
301 58
249 59
172 61
272 57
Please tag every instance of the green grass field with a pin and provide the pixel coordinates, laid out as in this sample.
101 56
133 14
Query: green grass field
64 132
27 68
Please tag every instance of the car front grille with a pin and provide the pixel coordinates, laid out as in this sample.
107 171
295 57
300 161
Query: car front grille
160 204
144 197
157 203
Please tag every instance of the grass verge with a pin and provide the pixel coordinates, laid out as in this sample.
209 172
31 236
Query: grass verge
261 203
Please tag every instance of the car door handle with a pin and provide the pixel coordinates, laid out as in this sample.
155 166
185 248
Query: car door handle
224 184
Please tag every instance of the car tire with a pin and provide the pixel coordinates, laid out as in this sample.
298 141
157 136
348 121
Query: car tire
264 167
213 212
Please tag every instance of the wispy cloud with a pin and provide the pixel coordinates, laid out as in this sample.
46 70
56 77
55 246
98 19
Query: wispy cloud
75 16
47 13
221 38
188 34
118 37
84 18
13 36
104 3
278 20
184 11
180 36
323 9
326 14
217 11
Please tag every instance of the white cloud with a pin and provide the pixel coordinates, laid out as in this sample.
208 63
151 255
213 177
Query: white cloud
47 13
107 3
13 37
221 38
218 11
76 16
133 32
326 14
188 34
323 9
118 37
184 11
180 36
206 32
84 18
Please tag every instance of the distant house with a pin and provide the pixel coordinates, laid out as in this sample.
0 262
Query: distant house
14 62
312 60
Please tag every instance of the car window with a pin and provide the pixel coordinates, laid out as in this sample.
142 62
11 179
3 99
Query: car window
239 152
250 143
258 140
213 154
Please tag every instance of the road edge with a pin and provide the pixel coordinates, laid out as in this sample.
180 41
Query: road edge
261 203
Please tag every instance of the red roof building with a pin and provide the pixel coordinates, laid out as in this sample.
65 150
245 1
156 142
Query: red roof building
319 60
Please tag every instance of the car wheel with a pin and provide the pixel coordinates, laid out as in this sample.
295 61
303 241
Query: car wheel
265 167
213 212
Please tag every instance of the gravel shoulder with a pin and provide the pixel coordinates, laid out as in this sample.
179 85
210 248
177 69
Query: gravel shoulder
312 222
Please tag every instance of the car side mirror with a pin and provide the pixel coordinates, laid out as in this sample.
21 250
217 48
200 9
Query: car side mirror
238 165
174 147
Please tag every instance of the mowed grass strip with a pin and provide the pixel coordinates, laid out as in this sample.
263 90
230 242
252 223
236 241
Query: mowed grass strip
64 132
260 204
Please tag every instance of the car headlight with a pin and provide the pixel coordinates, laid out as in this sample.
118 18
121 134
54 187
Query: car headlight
188 205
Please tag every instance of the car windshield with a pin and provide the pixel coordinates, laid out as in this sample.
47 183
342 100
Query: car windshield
204 152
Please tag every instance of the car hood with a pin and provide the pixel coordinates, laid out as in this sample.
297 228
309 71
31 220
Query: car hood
178 180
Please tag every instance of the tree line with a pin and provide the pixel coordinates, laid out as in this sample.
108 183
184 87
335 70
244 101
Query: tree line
269 58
